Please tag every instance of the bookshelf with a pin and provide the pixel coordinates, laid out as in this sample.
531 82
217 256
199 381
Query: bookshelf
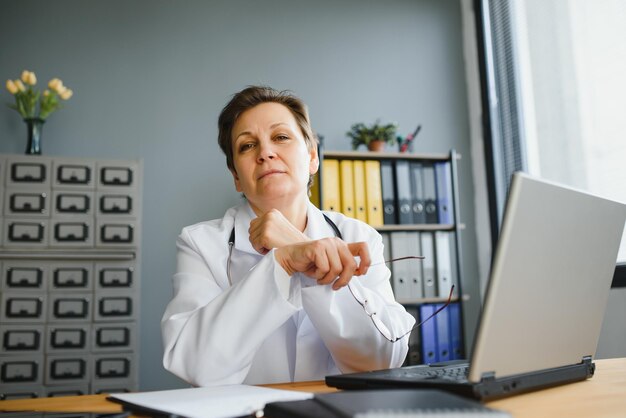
425 285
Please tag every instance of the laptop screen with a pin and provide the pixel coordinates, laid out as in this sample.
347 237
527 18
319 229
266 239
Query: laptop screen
550 279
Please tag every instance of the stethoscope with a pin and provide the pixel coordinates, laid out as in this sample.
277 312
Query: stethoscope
231 244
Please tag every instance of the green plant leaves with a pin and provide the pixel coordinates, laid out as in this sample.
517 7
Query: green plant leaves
363 135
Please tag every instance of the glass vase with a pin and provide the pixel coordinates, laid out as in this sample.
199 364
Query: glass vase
34 127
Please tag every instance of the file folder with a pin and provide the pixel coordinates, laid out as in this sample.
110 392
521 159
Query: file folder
360 199
428 264
444 192
442 325
346 188
429 335
430 193
389 195
403 192
373 193
456 342
444 263
415 267
417 193
455 261
400 274
330 186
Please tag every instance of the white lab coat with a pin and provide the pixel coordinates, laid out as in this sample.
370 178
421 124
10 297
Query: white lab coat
267 327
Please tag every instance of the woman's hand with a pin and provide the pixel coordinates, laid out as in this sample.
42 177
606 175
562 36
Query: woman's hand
273 230
328 260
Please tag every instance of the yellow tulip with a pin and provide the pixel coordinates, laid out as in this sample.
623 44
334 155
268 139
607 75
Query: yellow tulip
19 85
11 87
46 93
29 77
66 94
54 84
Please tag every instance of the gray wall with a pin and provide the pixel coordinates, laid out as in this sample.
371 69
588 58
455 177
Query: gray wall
150 77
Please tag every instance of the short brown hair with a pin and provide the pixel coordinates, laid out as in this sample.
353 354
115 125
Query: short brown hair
250 97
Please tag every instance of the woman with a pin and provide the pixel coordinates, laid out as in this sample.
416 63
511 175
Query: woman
261 296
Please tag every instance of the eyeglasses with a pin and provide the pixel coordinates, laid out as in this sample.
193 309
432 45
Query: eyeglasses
378 323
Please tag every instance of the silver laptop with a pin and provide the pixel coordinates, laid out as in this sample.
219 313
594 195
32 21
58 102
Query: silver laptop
545 301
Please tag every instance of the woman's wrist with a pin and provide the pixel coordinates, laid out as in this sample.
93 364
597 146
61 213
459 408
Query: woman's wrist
281 259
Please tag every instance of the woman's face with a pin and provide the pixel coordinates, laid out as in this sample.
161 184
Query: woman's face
272 161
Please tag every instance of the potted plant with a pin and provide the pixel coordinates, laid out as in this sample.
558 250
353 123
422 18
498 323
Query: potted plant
374 137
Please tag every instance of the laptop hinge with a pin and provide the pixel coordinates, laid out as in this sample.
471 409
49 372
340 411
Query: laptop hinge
488 376
587 360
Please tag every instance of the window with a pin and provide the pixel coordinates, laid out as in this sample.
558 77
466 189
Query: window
557 72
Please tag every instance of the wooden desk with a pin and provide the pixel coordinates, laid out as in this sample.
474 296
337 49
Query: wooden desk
602 396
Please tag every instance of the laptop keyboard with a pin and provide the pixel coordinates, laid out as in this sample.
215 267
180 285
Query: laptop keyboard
452 373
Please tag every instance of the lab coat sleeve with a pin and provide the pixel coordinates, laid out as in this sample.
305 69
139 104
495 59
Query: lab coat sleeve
210 335
347 331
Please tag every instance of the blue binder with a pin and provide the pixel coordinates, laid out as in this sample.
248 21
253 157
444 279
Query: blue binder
456 344
429 335
442 325
390 215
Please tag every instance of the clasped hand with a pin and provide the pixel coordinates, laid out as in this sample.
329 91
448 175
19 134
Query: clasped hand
328 260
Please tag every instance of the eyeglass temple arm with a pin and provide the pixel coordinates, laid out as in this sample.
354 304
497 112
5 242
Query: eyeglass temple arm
391 260
441 308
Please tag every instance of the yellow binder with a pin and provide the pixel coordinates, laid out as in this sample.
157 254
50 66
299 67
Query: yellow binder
360 200
373 193
330 185
314 196
347 188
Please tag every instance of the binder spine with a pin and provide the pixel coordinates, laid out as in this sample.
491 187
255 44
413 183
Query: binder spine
373 193
417 193
442 325
429 335
360 201
346 188
428 264
444 192
456 342
430 193
400 246
444 263
389 198
403 192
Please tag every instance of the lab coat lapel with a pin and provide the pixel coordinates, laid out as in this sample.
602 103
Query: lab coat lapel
243 216
316 226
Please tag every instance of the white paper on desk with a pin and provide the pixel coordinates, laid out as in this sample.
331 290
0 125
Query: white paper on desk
211 402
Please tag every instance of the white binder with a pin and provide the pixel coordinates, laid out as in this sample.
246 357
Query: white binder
428 264
444 263
400 273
